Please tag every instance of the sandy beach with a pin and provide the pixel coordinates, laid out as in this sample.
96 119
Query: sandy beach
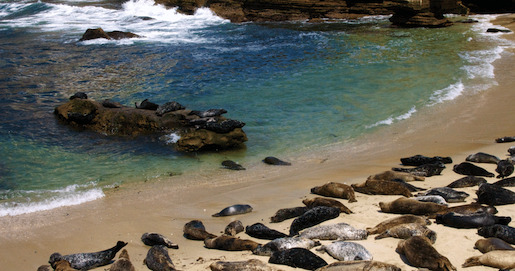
458 128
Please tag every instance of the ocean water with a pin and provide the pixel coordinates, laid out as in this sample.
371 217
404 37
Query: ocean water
298 87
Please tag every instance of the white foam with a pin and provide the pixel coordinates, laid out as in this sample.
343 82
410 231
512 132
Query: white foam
171 138
447 94
391 120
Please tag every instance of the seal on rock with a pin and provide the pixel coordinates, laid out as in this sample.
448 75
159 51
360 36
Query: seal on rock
450 195
230 243
359 266
209 113
169 107
260 231
420 253
123 263
506 233
228 164
425 170
297 257
234 228
489 244
405 231
482 157
270 160
471 221
85 261
152 239
502 259
287 213
195 230
346 251
284 244
313 217
236 209
146 104
494 195
111 104
320 201
399 220
250 265
504 168
466 168
339 231
380 187
418 160
158 259
467 181
410 206
392 175
335 190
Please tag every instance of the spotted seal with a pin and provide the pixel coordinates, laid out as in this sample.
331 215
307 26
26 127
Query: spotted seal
359 266
346 251
250 265
158 259
418 160
502 259
236 209
405 231
482 157
410 206
228 164
391 175
432 198
467 181
297 257
450 195
146 104
195 230
395 221
284 244
260 231
503 232
466 168
420 253
230 243
488 244
335 190
234 228
313 217
425 170
467 209
287 213
471 221
270 160
320 201
380 187
215 112
168 107
504 168
123 263
508 182
85 261
152 239
339 231
494 195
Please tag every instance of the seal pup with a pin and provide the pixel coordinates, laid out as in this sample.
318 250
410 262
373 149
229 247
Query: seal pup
359 266
346 251
228 164
450 195
504 168
158 259
425 170
502 259
146 104
467 181
392 175
420 253
320 201
234 228
260 231
313 217
123 263
508 182
152 239
488 244
236 209
399 220
418 160
494 195
214 112
432 198
250 265
471 221
380 187
466 168
270 160
169 107
85 261
45 267
405 231
467 209
503 232
284 244
297 257
230 243
335 190
287 213
339 231
482 157
195 230
410 206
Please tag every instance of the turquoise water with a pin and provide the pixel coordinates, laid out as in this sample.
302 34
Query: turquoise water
297 86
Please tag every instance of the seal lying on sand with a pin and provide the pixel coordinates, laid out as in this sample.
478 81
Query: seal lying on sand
482 157
284 244
158 259
506 233
85 261
152 239
287 213
425 170
489 244
467 209
236 209
313 217
504 168
62 265
418 160
467 181
228 164
399 220
297 257
466 168
123 263
320 201
502 259
378 187
450 195
505 139
335 190
391 175
234 228
508 182
195 230
339 231
230 243
432 198
494 195
260 231
405 231
471 221
346 251
250 265
270 160
359 266
420 253
410 206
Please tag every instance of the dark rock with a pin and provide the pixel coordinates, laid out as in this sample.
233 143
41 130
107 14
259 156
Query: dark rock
146 104
111 104
497 30
169 107
275 161
99 33
79 95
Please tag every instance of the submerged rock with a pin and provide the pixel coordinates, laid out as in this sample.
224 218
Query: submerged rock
99 33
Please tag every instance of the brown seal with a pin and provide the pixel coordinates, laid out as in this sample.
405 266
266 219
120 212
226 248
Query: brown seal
123 263
502 259
230 243
390 175
380 187
399 220
411 206
63 265
250 265
488 244
467 209
359 265
319 201
287 213
234 228
195 230
420 253
405 231
335 190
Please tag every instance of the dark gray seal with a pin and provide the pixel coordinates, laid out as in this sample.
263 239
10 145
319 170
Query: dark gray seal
501 259
359 266
236 209
467 181
335 190
225 126
195 230
287 213
494 195
346 251
418 160
466 168
471 221
467 209
399 220
234 228
420 253
511 150
270 160
503 232
319 201
230 243
260 231
410 206
228 164
153 239
158 259
313 217
508 182
85 261
489 244
482 157
146 104
168 107
450 195
425 170
123 263
284 244
405 231
505 139
107 103
339 231
250 265
208 113
79 95
504 168
297 257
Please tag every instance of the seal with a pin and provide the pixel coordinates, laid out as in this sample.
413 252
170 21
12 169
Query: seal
467 209
169 107
425 170
236 209
45 267
230 243
228 164
390 175
450 195
208 113
399 220
158 259
313 217
432 198
195 230
506 233
123 263
508 182
511 150
153 239
471 221
79 95
146 104
505 139
420 253
335 190
489 244
260 231
504 168
410 206
501 259
63 265
466 168
405 231
234 228
418 160
284 244
346 251
111 104
250 265
482 157
287 213
359 266
410 187
297 257
85 261
494 195
319 201
379 187
270 160
467 181
339 231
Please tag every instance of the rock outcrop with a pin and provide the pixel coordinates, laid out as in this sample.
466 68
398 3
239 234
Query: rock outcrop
196 133
99 33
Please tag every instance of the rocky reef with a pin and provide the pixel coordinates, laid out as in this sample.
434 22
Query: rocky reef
196 130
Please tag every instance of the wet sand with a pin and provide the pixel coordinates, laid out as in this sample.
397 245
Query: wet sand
458 128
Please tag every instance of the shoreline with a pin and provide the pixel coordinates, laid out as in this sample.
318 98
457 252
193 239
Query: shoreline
155 206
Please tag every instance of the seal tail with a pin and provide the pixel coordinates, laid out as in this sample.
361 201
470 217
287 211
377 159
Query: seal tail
472 261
